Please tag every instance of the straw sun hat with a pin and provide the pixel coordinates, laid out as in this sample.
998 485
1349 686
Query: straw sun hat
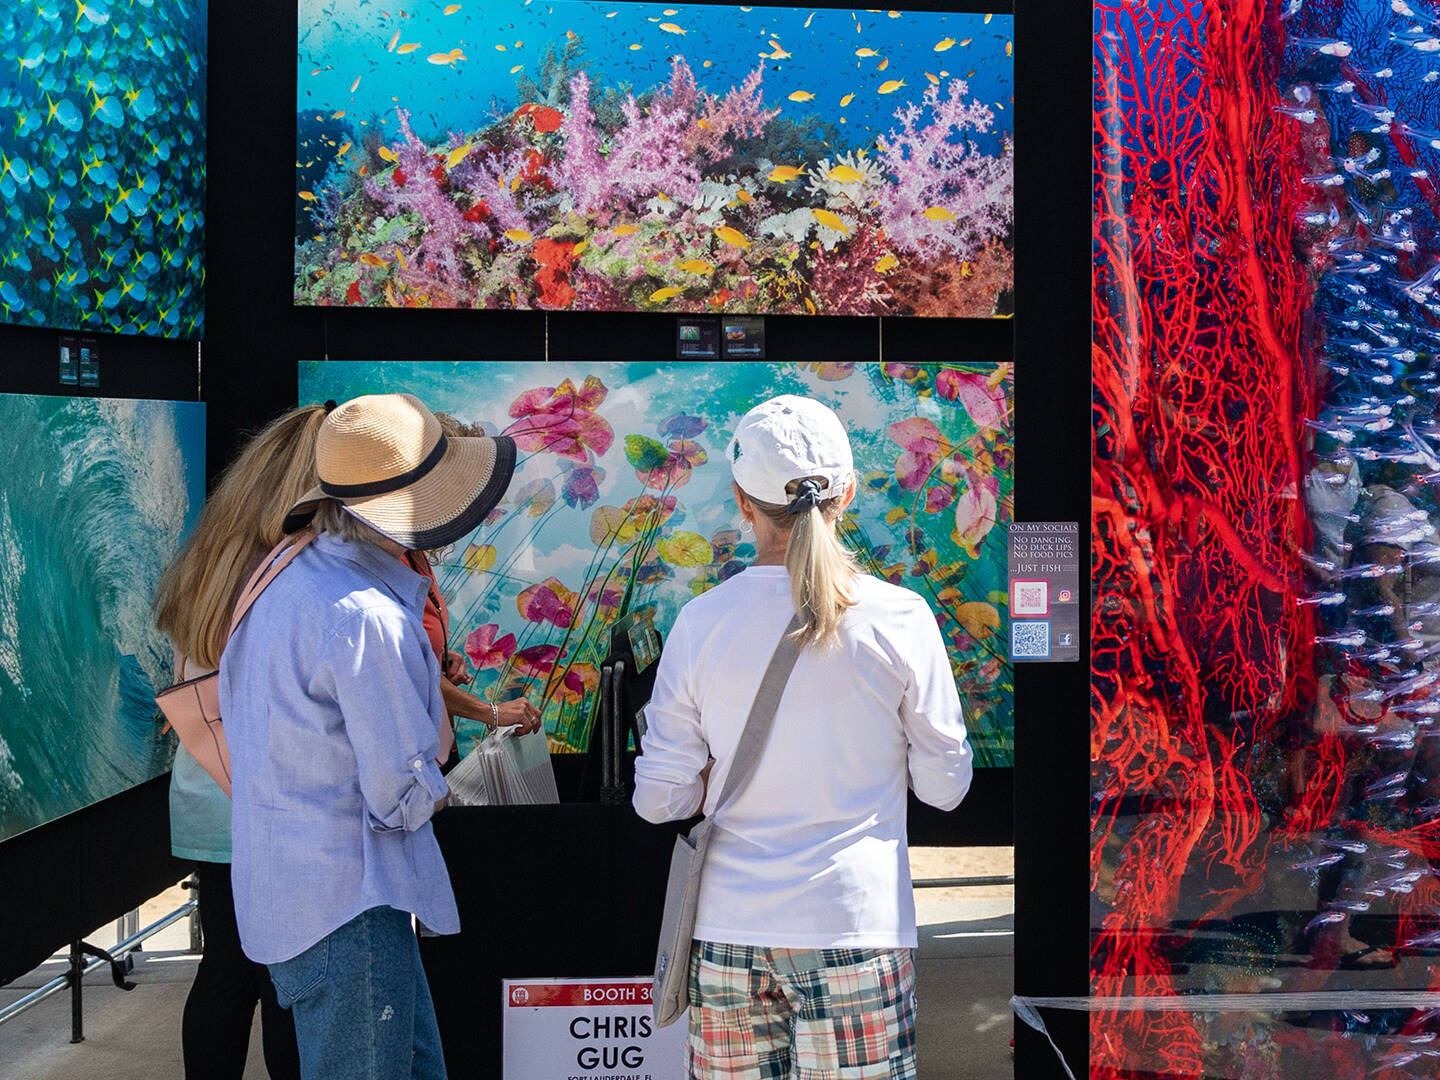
385 458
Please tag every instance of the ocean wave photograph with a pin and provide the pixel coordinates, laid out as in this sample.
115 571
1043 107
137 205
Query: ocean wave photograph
94 500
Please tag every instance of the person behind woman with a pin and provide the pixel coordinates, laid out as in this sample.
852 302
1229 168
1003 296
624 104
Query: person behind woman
518 713
802 960
196 595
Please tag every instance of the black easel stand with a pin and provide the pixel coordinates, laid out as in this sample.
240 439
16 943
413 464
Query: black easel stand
614 731
119 969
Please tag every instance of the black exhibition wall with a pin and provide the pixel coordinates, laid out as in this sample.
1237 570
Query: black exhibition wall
62 880
255 334
1052 445
105 859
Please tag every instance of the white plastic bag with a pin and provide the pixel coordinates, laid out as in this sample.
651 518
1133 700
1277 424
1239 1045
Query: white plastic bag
506 769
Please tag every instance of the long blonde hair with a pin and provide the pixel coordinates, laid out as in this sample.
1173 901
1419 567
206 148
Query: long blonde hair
240 523
822 569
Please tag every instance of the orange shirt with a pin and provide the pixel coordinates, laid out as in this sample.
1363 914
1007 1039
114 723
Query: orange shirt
437 615
437 629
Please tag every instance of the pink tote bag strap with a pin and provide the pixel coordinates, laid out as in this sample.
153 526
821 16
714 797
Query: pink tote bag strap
268 570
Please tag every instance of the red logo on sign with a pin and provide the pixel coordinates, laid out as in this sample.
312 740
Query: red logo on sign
538 995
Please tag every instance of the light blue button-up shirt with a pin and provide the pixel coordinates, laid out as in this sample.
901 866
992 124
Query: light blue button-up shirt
331 697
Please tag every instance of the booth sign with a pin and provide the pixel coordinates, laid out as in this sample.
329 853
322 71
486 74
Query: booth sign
588 1029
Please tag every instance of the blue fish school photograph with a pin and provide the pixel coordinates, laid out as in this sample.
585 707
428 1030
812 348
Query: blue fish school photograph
102 165
548 539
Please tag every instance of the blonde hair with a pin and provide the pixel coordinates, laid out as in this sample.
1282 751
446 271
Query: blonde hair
822 569
330 517
241 522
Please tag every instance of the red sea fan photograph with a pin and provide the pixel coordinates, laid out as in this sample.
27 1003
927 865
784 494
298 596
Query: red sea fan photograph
1264 770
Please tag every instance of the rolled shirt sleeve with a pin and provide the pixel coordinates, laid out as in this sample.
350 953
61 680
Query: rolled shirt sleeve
387 683
940 760
674 750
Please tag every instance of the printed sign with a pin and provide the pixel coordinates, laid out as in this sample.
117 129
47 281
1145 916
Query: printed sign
697 337
588 1029
1044 591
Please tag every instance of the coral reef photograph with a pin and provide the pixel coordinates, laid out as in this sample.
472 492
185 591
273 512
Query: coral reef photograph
628 157
622 503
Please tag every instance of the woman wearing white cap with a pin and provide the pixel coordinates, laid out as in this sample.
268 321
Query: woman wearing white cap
802 957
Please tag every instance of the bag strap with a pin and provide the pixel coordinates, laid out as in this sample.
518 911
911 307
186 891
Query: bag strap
762 714
268 570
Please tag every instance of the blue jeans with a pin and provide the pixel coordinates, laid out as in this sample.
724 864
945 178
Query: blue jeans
361 1003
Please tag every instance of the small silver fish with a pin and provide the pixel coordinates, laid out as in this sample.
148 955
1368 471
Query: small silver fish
1327 46
1325 918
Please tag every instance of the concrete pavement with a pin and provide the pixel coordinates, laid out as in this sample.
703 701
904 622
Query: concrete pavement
965 969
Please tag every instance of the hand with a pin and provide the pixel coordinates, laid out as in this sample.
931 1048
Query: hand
519 714
705 780
455 670
440 804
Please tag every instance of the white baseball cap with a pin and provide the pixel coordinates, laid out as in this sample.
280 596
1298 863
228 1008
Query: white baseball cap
789 438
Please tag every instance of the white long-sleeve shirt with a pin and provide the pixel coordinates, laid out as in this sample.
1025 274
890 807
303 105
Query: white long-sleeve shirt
812 853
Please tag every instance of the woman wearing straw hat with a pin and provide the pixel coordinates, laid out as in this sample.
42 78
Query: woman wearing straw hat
332 704
241 521
801 963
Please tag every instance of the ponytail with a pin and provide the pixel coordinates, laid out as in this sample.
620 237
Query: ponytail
822 570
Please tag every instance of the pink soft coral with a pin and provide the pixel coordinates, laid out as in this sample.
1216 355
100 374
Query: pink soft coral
845 281
648 154
491 182
660 148
948 198
434 264
581 169
739 114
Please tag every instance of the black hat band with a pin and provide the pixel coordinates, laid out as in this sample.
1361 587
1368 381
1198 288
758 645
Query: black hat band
390 483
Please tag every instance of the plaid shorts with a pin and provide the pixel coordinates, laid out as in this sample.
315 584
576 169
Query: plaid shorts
812 1014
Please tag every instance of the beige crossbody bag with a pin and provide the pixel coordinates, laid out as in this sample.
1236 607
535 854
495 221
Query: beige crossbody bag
192 707
670 995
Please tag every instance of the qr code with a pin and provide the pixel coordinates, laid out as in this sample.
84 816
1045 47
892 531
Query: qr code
1030 640
1030 598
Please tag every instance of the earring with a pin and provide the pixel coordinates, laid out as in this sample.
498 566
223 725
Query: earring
746 527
